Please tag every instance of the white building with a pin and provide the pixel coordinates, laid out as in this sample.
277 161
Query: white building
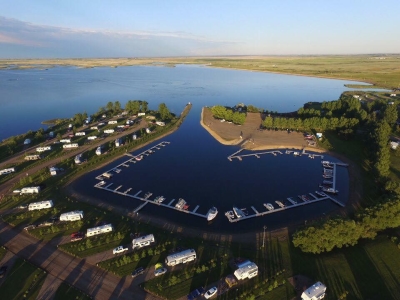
99 230
181 257
148 130
30 190
112 122
27 141
42 149
314 292
159 123
141 114
80 133
394 145
7 171
72 216
109 131
94 128
66 141
142 241
247 270
40 205
91 138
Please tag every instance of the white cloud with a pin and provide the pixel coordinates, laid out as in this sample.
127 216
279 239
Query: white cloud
70 42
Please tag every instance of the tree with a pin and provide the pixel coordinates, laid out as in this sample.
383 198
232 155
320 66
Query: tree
144 106
218 111
390 114
164 112
110 106
117 107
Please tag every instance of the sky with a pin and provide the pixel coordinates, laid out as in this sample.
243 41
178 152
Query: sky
162 28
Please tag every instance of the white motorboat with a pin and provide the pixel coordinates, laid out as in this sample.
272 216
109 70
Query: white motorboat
269 206
238 212
280 204
212 213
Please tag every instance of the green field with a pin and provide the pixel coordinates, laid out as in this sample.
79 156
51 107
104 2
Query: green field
67 292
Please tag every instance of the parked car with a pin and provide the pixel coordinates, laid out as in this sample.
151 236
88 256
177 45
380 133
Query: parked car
211 292
3 271
160 271
119 249
30 226
77 236
196 293
138 271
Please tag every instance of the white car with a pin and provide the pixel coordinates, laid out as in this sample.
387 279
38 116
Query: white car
211 292
119 249
160 271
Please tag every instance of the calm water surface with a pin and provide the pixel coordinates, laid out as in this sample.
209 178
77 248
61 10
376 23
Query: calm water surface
194 166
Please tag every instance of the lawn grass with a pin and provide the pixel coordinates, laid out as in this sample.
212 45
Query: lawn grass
3 252
368 270
23 281
67 292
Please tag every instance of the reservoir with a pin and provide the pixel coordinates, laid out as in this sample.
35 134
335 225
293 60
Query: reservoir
194 166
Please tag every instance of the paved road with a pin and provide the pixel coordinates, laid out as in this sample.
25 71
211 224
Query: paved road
90 279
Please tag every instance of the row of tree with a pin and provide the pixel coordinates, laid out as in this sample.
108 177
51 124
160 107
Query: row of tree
309 123
221 112
338 233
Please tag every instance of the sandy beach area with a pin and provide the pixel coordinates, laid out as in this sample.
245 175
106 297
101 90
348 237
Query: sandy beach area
253 138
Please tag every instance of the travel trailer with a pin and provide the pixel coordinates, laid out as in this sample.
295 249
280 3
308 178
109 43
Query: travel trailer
40 205
99 230
142 241
181 257
30 190
72 216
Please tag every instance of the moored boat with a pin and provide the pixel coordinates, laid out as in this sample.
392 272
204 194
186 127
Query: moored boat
212 213
320 194
181 203
280 204
139 157
269 206
292 200
330 190
238 212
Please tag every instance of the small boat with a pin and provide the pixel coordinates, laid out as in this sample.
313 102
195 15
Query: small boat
238 212
326 176
147 195
139 158
269 206
212 213
328 171
292 200
186 207
230 214
280 204
180 204
161 199
330 190
328 166
327 182
320 194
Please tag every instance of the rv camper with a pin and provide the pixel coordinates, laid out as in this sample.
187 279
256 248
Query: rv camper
142 241
99 230
40 205
72 216
30 190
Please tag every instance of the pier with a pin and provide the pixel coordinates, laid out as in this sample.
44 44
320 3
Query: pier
146 201
286 207
257 154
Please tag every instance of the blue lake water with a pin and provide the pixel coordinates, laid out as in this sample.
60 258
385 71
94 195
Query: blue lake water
194 166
